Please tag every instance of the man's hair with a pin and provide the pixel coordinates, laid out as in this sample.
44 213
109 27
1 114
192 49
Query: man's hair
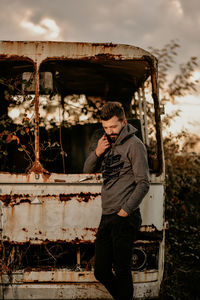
111 109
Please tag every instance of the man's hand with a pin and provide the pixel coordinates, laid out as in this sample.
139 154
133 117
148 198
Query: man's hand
102 145
122 213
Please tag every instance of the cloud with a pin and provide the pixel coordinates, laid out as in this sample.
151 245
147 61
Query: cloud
141 23
195 76
177 7
47 28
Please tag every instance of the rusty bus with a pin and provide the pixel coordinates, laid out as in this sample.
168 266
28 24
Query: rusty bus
50 93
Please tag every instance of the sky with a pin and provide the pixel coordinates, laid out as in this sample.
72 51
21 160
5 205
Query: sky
142 23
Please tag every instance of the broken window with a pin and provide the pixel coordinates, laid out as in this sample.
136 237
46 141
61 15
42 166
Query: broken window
71 94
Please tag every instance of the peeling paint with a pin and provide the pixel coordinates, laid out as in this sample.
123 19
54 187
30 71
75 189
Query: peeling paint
80 197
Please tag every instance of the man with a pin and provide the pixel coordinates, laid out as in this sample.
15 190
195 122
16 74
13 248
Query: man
123 160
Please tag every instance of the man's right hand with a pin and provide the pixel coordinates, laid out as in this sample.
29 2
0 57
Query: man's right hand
102 145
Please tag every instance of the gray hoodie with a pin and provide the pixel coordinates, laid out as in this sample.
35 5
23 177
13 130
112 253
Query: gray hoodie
125 172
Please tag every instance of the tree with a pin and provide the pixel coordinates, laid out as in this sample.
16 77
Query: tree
182 160
178 85
181 277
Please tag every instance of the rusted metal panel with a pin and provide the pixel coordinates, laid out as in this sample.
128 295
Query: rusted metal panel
74 291
68 211
54 178
52 220
158 124
39 51
66 208
56 291
152 208
65 275
161 259
37 168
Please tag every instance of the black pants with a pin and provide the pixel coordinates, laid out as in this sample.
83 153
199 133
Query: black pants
113 252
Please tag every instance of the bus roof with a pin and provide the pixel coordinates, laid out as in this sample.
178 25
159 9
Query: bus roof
88 68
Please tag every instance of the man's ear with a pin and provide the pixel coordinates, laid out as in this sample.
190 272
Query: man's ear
125 121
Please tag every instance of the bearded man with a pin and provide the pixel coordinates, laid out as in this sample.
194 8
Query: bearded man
123 160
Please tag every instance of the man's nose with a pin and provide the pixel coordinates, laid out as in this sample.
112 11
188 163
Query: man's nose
109 131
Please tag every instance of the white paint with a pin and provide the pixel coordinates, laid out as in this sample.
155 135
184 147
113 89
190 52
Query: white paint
68 220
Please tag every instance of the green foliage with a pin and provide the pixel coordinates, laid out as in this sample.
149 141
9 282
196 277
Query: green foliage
179 84
182 276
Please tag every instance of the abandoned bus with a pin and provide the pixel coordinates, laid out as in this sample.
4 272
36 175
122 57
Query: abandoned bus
50 97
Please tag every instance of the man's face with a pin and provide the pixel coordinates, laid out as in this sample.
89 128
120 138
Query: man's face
113 127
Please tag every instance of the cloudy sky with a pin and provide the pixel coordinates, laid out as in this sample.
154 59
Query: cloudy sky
141 23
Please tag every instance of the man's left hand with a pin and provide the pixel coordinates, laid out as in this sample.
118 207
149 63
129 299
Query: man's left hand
122 213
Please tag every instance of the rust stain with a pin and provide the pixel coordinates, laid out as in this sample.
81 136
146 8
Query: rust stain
45 175
97 57
23 201
59 180
4 56
105 46
105 56
12 200
158 121
16 57
16 199
148 228
90 229
37 167
81 275
149 232
31 241
6 199
85 197
28 177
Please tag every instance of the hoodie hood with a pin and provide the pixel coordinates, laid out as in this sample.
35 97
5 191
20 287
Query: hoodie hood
127 131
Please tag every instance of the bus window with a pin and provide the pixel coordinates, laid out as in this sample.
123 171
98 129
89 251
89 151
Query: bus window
16 115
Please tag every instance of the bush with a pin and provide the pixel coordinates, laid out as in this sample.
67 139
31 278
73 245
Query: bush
182 272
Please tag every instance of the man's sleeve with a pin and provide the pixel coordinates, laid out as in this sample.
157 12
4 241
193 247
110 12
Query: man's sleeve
138 157
93 162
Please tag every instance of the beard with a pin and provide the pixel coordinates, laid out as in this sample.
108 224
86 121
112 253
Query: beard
112 137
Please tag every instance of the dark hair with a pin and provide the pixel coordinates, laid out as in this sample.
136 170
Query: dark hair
111 109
